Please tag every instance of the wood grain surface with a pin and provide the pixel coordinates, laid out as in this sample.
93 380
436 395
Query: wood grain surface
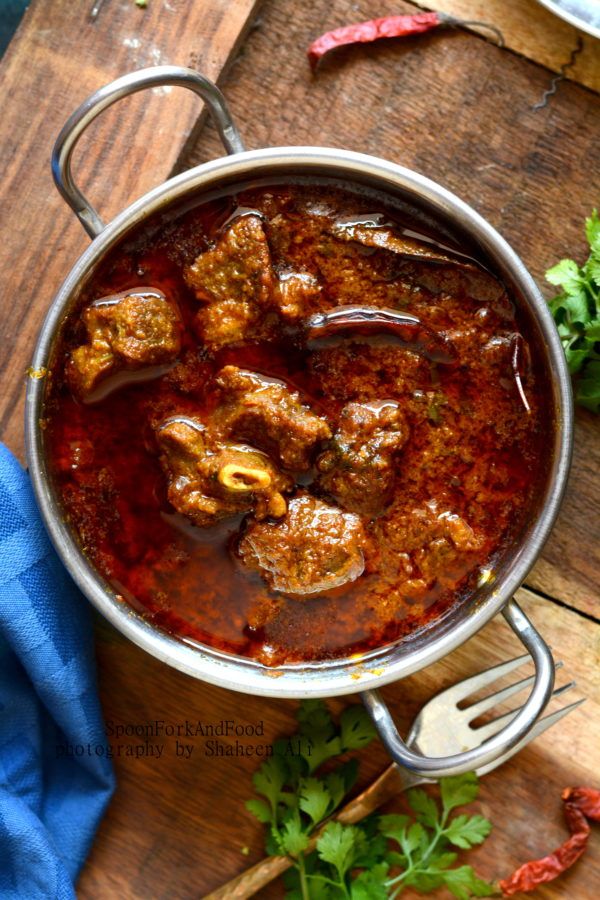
57 58
449 105
177 827
533 31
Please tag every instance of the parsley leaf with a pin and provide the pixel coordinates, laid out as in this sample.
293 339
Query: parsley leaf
467 831
317 726
592 231
377 858
291 838
394 825
269 781
340 845
424 806
576 312
260 810
458 790
370 885
464 883
587 391
314 799
357 729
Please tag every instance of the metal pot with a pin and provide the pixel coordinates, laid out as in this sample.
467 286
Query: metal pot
342 676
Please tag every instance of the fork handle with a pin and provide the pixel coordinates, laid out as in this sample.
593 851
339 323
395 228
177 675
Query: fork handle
490 750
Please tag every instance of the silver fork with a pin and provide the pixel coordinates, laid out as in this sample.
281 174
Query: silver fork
441 726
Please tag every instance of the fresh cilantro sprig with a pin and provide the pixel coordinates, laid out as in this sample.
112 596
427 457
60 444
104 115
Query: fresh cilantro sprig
425 853
301 786
576 311
296 800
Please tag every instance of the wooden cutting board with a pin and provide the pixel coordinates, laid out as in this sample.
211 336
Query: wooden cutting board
57 58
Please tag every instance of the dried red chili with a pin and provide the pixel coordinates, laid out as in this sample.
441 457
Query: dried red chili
387 27
581 804
373 30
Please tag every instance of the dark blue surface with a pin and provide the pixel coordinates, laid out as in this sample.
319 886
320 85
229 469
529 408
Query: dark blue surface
10 16
52 796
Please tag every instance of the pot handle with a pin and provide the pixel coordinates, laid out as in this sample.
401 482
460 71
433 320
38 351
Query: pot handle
156 76
515 731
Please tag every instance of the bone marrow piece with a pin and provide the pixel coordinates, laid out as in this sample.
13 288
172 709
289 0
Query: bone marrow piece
125 332
313 549
209 480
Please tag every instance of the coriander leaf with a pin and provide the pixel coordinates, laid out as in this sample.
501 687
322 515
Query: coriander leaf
576 308
464 883
295 751
374 851
592 232
396 860
587 389
592 269
314 799
260 810
565 274
592 330
357 729
577 354
443 861
466 831
340 781
576 312
318 727
339 845
414 838
393 826
319 890
424 881
458 790
424 807
313 716
269 781
292 839
370 885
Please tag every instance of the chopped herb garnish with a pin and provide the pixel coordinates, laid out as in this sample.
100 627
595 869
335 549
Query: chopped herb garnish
301 786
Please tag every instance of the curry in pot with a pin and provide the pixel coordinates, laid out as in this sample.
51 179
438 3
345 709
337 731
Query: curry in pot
290 423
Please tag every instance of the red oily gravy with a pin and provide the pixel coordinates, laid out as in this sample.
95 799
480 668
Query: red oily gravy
463 484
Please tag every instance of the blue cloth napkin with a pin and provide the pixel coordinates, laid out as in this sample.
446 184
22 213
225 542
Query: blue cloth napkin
52 793
10 16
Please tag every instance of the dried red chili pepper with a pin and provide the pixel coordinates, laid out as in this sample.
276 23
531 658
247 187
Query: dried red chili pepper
373 30
387 27
581 804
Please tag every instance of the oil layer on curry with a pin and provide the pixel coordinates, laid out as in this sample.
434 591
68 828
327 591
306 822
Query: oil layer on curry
286 424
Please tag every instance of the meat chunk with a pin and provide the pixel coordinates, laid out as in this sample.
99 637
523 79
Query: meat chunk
358 469
266 413
234 281
211 480
296 294
314 548
127 331
425 544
